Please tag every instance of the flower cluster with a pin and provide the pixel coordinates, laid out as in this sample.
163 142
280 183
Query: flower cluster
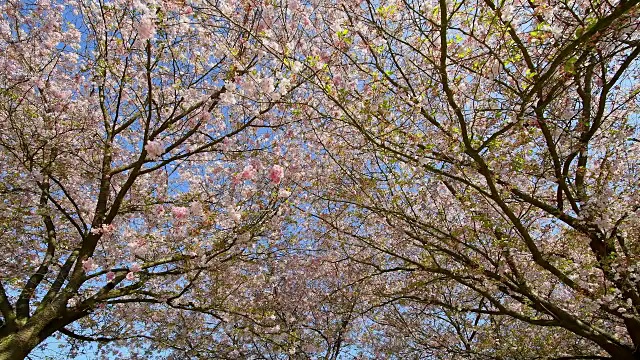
154 149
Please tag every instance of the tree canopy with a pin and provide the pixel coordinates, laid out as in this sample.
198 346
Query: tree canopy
287 179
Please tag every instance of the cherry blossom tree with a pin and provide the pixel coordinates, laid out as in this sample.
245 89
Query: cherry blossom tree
320 179
143 170
482 161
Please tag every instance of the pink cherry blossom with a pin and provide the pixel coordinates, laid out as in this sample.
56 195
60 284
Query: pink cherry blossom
89 265
296 67
158 210
267 86
180 213
154 149
276 173
196 208
283 86
236 179
146 28
107 230
228 98
111 275
283 193
256 164
248 173
235 215
138 247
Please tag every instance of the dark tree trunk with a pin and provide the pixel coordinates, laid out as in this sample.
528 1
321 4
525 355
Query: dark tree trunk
18 345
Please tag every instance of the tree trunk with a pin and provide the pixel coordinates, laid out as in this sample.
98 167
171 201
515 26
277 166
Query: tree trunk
18 345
